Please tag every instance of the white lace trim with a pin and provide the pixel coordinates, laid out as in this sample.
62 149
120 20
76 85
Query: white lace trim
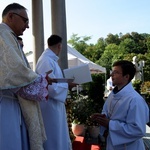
35 91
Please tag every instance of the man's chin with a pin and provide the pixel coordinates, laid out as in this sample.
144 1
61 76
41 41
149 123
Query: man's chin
20 34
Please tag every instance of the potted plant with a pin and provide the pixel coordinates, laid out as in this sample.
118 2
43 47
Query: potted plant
82 109
87 102
78 116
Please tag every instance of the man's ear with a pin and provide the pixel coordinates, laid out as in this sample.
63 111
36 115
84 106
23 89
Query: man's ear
59 45
9 17
127 76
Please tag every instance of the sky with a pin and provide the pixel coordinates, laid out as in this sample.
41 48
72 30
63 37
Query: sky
95 18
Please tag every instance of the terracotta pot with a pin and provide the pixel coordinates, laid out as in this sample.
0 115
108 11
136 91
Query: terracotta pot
78 129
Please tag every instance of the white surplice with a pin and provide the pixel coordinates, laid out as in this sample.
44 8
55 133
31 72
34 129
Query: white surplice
54 111
128 113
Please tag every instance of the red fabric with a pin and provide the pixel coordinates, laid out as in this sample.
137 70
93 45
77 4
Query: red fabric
79 144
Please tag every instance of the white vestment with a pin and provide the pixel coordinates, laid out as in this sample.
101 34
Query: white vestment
54 111
128 113
14 109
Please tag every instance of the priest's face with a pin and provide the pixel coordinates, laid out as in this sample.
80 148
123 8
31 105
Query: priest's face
18 21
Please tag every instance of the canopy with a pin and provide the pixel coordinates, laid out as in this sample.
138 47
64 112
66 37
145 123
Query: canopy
76 59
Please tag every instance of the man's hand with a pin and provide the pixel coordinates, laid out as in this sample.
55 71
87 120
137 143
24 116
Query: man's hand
71 85
49 80
100 119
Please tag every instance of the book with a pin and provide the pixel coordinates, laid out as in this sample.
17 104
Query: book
81 74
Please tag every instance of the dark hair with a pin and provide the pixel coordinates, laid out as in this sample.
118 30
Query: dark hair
53 40
13 6
127 68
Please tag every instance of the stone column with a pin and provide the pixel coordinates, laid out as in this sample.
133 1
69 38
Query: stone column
37 29
58 11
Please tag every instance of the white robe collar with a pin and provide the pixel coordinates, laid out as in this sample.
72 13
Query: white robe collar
125 90
51 54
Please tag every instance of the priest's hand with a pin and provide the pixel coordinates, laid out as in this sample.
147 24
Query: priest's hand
49 80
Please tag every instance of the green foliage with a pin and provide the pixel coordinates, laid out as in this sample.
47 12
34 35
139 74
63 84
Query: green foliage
134 43
127 46
145 90
112 39
80 111
137 85
99 48
79 43
85 104
147 67
111 50
140 43
148 43
96 90
146 87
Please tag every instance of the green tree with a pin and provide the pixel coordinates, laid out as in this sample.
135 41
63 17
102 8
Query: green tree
125 36
89 52
127 46
140 41
79 43
148 44
107 56
112 39
99 48
94 52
